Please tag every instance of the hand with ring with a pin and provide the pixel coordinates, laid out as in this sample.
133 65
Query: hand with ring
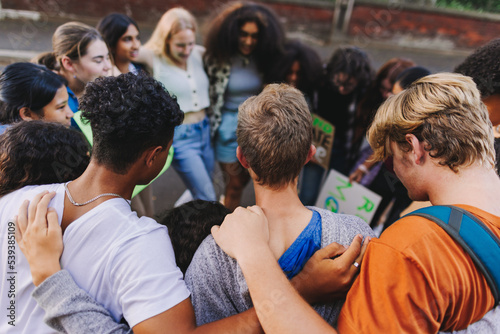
330 272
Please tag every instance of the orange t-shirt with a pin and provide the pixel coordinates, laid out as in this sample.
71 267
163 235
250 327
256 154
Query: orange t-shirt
417 279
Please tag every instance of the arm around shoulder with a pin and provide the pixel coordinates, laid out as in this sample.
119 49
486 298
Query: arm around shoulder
70 309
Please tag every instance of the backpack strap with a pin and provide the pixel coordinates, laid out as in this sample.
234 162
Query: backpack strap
474 237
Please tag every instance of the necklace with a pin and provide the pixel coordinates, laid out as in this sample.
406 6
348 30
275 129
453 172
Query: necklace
90 200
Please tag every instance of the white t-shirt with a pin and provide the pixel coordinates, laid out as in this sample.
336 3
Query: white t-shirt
126 263
190 86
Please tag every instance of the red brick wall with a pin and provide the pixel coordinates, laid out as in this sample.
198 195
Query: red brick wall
368 22
383 23
141 10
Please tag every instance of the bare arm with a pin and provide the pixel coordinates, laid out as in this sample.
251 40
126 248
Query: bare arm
145 57
71 309
181 319
67 308
362 169
244 236
326 277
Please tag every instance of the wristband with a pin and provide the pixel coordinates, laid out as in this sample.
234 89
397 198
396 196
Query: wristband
363 168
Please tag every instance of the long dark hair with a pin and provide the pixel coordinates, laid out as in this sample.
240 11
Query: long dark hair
355 63
113 26
26 85
38 152
311 68
223 34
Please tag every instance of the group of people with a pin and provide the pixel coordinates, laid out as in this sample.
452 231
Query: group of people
245 49
244 100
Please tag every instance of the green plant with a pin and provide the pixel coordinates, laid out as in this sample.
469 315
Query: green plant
474 5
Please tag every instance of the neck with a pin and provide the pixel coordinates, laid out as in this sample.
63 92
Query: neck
98 179
286 214
476 185
76 85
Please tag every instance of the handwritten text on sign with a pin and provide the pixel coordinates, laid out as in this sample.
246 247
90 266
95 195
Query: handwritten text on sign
323 140
340 196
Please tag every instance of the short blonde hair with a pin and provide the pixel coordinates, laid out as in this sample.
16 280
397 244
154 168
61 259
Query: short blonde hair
275 133
173 21
443 110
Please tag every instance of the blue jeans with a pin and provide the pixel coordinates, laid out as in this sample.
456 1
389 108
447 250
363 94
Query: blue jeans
194 158
225 141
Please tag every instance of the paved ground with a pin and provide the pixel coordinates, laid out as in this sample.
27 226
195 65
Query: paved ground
21 39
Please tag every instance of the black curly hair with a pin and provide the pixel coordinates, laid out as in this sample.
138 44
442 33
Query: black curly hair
38 152
355 63
128 114
311 68
189 224
223 34
483 66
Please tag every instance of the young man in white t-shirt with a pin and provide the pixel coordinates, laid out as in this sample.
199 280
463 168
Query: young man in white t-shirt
126 263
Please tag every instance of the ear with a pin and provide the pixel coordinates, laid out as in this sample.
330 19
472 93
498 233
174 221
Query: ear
241 158
417 149
311 153
28 115
151 154
68 64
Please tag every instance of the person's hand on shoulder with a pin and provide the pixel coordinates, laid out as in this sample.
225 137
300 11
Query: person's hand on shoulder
330 272
39 236
242 232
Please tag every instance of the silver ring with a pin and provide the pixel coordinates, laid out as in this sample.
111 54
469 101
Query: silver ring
356 264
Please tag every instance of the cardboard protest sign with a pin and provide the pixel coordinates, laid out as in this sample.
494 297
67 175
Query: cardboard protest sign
340 196
323 133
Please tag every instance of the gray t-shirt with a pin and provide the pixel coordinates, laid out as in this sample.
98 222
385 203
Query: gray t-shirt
219 290
244 81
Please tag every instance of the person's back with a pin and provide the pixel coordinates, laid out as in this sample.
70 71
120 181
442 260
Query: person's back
97 245
416 278
23 314
126 263
274 136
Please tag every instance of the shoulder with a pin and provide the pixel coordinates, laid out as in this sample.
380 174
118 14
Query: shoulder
343 225
217 69
210 266
3 128
409 231
198 51
16 197
210 255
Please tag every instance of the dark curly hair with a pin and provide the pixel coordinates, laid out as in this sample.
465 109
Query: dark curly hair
189 224
128 114
311 68
26 85
483 66
223 34
38 152
355 63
